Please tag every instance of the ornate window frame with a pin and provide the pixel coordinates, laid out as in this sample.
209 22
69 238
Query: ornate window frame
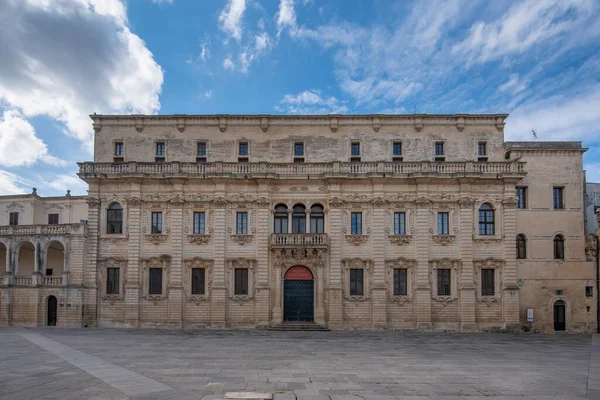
188 265
404 238
411 279
198 238
452 210
156 238
163 262
489 263
112 262
498 235
248 263
365 211
102 223
243 238
453 266
357 263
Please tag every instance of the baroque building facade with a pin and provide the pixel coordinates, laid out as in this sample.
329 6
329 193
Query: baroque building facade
347 221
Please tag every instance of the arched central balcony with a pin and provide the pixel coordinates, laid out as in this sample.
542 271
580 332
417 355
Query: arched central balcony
307 227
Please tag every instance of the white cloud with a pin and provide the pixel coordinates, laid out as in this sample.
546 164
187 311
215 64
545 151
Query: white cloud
524 25
162 1
11 183
65 59
286 17
592 172
231 18
311 102
62 183
208 94
19 145
228 64
263 42
514 85
245 59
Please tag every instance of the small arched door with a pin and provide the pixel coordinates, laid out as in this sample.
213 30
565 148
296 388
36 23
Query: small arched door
298 295
51 310
559 315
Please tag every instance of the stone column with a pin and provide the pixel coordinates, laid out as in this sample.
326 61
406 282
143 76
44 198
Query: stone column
176 300
289 220
465 245
307 222
510 301
319 286
380 291
423 286
263 292
38 261
219 294
90 271
335 305
277 309
134 284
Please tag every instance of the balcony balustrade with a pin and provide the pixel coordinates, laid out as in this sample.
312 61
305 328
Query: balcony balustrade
52 280
23 280
90 170
316 240
60 229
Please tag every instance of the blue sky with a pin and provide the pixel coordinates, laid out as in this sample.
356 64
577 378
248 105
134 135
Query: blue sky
60 60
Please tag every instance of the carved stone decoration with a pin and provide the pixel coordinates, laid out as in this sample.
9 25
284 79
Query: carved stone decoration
139 124
401 263
97 125
422 202
356 239
400 300
177 200
418 123
188 265
488 300
486 240
111 298
500 124
335 202
443 239
91 201
445 263
333 124
460 124
134 201
180 124
52 207
379 202
376 124
164 262
112 262
198 238
242 239
263 202
264 124
220 201
357 299
400 239
309 257
222 124
510 201
357 263
115 239
154 298
466 202
445 300
156 238
240 298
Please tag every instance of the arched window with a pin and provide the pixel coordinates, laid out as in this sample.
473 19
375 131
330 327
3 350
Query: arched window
280 222
559 247
486 219
317 219
299 219
114 219
521 247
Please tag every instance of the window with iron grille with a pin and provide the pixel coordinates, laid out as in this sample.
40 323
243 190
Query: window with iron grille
52 219
13 218
521 197
157 222
400 282
439 148
160 149
397 149
119 149
155 286
559 247
521 247
356 223
241 281
482 149
443 282
198 277
443 223
488 287
198 222
486 219
399 223
356 281
114 219
355 149
112 280
201 149
298 149
242 223
243 149
558 198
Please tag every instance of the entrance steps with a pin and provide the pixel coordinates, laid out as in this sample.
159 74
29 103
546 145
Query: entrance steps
299 326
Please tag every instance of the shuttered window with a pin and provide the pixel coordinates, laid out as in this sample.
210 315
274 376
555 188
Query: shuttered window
112 280
400 284
13 218
52 219
155 281
198 276
241 281
487 282
443 282
356 282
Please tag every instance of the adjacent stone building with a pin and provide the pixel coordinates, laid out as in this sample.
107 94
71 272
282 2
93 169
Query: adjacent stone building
347 221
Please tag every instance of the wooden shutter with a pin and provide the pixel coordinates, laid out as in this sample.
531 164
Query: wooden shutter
155 281
198 280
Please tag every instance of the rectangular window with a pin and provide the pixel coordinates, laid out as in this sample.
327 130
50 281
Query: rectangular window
589 291
241 281
198 276
119 149
160 149
439 149
355 149
299 149
112 280
400 282
13 218
242 223
397 149
521 197
49 271
52 219
156 222
488 287
155 286
201 149
356 222
482 149
399 223
443 227
243 149
443 282
558 198
356 281
198 223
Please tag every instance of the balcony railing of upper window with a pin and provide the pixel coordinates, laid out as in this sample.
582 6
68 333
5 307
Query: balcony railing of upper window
59 229
128 169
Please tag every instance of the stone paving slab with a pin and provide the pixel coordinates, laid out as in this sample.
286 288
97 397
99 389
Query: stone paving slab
50 363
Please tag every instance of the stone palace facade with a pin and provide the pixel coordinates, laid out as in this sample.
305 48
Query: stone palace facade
347 221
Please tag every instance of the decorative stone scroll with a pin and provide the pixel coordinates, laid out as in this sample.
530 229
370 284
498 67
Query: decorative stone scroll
199 238
156 238
91 201
242 239
444 240
400 239
356 239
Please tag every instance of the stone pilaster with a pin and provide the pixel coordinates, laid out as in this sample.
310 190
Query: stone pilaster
262 297
467 287
176 295
379 293
90 273
334 293
510 301
423 287
133 285
219 294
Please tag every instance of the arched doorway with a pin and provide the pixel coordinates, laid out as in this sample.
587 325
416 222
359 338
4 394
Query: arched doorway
559 315
51 311
298 295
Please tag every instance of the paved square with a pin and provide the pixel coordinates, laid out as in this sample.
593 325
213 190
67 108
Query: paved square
45 363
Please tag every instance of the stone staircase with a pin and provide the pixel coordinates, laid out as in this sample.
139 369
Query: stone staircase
299 326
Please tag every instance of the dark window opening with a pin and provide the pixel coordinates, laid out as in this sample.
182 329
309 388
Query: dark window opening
589 291
482 149
443 223
356 223
399 223
486 219
157 222
13 218
559 247
299 219
355 149
558 198
198 223
397 149
521 197
243 149
112 280
160 149
198 276
114 219
280 219
298 149
49 271
356 282
521 247
317 219
439 148
52 219
400 282
241 281
119 149
443 282
487 282
242 223
155 286
201 149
